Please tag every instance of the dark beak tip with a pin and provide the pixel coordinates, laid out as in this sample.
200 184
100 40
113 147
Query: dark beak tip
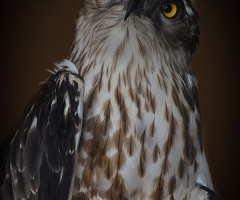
126 16
131 5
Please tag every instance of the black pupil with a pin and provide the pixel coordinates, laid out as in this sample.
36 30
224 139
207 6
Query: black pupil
168 8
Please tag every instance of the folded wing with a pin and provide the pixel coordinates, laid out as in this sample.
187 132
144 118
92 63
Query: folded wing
43 153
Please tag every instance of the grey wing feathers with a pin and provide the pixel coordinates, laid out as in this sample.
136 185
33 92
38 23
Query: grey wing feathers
42 155
211 194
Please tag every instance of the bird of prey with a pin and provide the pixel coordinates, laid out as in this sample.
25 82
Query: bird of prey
119 118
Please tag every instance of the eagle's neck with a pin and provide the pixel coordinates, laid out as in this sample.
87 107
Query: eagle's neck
105 38
113 53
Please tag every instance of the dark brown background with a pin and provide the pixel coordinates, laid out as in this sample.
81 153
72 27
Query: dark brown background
34 35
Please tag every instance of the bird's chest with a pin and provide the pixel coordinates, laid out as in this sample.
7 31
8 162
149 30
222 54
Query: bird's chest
132 138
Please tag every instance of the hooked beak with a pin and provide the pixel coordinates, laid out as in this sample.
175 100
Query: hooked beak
131 5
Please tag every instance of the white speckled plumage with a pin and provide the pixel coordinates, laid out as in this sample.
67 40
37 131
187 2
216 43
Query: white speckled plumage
119 119
110 54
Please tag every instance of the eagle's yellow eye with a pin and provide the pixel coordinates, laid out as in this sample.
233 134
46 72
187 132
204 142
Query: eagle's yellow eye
169 10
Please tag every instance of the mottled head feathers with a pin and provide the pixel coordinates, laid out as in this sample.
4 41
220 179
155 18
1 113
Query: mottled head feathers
182 29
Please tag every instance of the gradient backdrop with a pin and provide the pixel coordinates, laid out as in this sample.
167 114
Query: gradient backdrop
36 34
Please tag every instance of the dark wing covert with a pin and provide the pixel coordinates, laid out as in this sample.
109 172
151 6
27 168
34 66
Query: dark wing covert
42 155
